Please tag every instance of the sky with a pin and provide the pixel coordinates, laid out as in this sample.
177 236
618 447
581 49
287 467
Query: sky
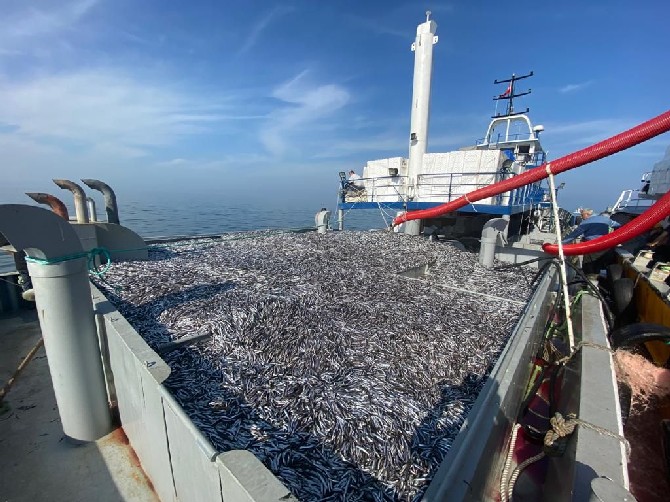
265 102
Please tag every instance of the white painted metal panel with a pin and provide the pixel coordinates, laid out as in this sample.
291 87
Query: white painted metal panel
245 479
448 176
137 371
379 186
196 476
456 162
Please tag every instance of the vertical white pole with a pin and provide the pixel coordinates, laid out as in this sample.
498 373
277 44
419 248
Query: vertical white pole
423 69
564 278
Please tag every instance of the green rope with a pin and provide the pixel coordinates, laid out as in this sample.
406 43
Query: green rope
58 259
105 253
92 267
90 256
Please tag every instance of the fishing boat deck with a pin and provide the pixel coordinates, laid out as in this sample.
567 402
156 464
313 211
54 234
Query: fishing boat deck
37 461
226 313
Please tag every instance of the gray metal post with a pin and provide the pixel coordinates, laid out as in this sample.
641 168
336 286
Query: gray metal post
65 308
413 227
340 219
493 228
487 251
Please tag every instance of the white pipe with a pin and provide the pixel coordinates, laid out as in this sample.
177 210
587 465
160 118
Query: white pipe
493 229
321 221
92 213
65 309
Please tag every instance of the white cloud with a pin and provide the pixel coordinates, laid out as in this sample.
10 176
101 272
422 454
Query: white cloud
305 105
176 162
19 27
575 87
379 145
379 27
260 26
105 149
30 166
232 161
387 22
451 140
587 132
103 108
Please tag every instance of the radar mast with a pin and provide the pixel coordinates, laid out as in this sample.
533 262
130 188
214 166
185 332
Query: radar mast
510 94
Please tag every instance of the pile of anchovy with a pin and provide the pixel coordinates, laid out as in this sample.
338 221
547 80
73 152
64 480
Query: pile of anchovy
347 378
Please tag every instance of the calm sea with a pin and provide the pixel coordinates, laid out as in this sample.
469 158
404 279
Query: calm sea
202 216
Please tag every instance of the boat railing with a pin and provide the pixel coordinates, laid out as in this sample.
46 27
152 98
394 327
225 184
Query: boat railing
501 138
442 187
547 223
630 199
374 189
450 186
538 158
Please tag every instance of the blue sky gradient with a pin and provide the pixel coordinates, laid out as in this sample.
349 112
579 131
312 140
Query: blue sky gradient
263 103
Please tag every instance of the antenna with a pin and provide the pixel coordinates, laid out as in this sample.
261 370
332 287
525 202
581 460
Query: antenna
510 94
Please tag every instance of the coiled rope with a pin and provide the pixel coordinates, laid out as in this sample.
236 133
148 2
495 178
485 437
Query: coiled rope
560 428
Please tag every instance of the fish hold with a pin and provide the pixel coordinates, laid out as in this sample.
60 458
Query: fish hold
347 379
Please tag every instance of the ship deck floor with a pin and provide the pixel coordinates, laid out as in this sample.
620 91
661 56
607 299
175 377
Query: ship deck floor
37 462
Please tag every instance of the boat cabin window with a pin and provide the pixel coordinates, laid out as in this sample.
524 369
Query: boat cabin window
506 129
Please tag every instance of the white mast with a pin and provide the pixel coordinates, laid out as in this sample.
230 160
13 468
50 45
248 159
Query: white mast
423 69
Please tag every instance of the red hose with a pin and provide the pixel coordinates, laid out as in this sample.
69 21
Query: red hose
626 139
638 226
